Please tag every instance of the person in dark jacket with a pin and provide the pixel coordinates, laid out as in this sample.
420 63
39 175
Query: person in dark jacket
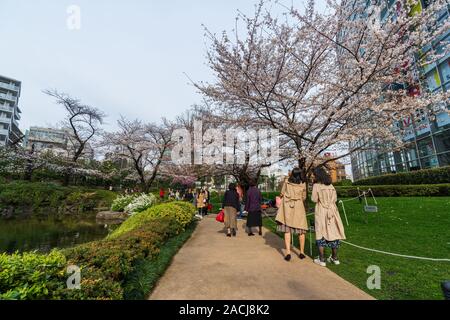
253 207
230 207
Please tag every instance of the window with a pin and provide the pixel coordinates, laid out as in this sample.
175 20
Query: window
425 147
444 159
412 159
444 69
442 141
433 81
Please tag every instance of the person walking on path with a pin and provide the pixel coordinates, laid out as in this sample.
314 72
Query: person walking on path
161 193
291 216
231 206
328 224
201 203
253 207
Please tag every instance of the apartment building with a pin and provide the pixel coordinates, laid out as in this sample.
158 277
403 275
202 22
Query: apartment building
9 111
57 141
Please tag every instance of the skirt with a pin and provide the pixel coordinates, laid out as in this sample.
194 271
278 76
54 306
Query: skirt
286 229
335 244
254 219
230 217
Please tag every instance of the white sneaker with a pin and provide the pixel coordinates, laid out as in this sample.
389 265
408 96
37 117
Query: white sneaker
320 263
331 260
199 217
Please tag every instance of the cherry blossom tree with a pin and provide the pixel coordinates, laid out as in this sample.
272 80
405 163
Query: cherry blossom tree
145 145
83 124
327 79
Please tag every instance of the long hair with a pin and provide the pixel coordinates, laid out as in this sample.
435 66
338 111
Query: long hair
296 176
322 176
232 187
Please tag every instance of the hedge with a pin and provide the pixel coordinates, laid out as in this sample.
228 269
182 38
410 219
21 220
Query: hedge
436 175
106 265
422 190
431 190
47 197
182 212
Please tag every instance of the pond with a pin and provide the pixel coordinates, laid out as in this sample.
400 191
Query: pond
43 235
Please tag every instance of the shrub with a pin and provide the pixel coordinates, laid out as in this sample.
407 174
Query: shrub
44 196
105 265
183 212
141 203
19 193
187 207
29 275
181 216
432 190
345 182
121 202
435 175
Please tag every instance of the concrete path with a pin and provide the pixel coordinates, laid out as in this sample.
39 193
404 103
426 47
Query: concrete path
211 266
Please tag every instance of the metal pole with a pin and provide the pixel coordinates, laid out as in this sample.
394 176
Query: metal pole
371 192
343 209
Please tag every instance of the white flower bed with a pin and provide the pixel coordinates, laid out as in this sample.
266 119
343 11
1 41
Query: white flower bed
141 203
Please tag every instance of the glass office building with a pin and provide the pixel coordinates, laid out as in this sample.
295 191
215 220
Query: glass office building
427 140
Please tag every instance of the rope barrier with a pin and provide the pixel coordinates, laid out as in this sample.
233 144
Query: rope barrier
345 213
394 254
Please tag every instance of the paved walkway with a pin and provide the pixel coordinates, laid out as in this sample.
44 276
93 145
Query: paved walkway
211 266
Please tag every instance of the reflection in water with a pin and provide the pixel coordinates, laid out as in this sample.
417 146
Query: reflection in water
45 235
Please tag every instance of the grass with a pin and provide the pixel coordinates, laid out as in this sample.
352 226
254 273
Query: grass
147 272
411 226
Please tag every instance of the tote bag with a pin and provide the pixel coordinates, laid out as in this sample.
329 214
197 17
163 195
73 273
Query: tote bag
221 216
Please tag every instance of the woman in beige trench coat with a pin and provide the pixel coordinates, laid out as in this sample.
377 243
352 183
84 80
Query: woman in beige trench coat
291 216
328 224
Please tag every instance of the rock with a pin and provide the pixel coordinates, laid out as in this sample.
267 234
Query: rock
111 215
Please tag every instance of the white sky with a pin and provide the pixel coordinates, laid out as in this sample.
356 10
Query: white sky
128 58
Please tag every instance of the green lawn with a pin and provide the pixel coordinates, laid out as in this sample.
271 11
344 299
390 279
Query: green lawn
409 226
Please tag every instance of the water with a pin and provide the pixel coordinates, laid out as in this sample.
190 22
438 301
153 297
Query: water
43 235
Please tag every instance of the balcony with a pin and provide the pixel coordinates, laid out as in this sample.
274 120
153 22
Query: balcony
8 97
16 123
5 107
5 120
9 87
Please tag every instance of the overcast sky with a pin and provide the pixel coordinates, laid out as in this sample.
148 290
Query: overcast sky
129 57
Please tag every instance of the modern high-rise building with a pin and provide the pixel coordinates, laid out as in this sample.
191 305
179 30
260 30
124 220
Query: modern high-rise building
426 139
9 111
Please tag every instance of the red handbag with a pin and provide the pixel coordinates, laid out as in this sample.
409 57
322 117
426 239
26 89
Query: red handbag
221 216
210 207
